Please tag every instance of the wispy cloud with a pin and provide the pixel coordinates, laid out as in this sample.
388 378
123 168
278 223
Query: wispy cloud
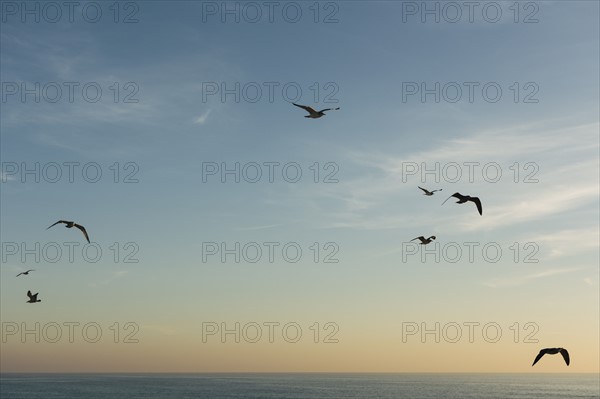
549 201
113 276
201 120
589 281
160 329
255 228
523 279
568 178
567 242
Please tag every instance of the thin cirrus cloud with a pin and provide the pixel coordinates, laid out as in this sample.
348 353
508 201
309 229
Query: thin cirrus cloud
589 281
550 201
570 178
527 278
256 228
529 140
159 329
201 120
569 242
72 60
113 276
62 61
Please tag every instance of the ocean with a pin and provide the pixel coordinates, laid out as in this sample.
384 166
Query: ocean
298 386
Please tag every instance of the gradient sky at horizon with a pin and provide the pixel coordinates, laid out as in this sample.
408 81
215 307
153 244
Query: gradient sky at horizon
364 61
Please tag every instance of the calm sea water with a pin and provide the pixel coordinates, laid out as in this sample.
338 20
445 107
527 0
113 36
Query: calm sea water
296 386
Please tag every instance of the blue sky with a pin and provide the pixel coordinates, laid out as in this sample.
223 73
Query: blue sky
368 56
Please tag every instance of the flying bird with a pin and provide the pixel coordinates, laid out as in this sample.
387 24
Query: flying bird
315 114
424 241
427 192
552 351
26 272
68 225
464 198
33 297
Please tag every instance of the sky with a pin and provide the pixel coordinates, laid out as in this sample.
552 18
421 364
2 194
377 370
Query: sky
231 234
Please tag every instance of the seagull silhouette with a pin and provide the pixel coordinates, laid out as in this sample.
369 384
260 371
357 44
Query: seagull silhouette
427 192
424 241
26 272
552 351
315 114
33 297
68 225
464 198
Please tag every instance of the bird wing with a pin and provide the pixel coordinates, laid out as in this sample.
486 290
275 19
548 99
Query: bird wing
329 109
426 191
453 195
419 238
60 221
565 355
539 356
436 190
80 227
478 203
29 294
30 270
306 107
19 274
